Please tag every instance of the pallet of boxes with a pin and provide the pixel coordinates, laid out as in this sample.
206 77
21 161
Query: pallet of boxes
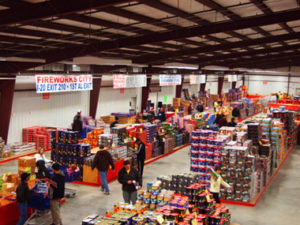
26 164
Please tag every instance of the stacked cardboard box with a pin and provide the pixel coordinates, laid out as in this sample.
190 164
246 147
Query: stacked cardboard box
26 164
151 132
254 133
40 135
108 139
92 137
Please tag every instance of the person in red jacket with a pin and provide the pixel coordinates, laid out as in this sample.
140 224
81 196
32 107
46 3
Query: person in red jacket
102 161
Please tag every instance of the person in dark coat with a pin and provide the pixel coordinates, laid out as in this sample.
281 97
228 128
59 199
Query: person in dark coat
77 122
42 172
190 109
200 107
162 115
232 123
236 112
113 124
222 122
141 155
23 197
57 184
131 182
102 161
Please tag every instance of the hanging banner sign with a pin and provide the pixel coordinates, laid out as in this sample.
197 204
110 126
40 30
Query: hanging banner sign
129 81
169 80
232 78
197 79
63 83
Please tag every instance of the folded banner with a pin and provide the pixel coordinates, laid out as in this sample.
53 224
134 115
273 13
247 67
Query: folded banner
197 79
63 83
129 81
169 80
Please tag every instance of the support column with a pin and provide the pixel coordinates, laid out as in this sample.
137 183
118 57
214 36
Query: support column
233 85
7 88
179 88
202 86
243 79
289 80
94 95
220 84
145 93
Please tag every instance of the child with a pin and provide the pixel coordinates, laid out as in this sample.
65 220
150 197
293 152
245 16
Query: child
215 184
23 197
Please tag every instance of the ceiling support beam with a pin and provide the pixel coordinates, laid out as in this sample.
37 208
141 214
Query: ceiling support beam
190 51
51 8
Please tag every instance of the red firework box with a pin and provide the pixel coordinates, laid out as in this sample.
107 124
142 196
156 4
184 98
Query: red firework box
149 149
40 135
142 136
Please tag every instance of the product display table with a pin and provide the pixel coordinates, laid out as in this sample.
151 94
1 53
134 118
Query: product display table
9 213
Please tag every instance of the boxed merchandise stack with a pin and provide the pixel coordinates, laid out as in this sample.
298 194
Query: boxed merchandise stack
93 137
169 144
19 147
263 166
119 152
67 151
40 135
151 132
265 125
121 132
108 140
156 149
237 170
254 133
26 164
206 149
178 140
108 119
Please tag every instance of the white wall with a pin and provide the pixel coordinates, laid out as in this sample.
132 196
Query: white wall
29 109
169 91
111 100
274 84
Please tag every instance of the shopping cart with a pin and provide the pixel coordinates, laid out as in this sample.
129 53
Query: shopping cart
40 201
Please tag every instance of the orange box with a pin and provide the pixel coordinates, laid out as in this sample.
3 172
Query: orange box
89 175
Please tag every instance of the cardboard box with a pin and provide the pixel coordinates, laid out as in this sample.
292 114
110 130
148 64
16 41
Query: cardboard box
25 169
89 175
6 154
26 161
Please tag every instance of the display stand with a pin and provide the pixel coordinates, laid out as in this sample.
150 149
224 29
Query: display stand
19 155
257 198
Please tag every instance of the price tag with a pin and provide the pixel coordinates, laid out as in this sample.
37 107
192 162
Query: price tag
141 130
113 145
164 139
154 139
207 196
160 219
134 138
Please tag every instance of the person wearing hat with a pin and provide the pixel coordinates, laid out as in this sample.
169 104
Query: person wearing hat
131 182
57 185
141 155
23 197
77 122
102 161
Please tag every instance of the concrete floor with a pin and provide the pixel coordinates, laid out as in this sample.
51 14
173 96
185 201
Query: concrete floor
279 205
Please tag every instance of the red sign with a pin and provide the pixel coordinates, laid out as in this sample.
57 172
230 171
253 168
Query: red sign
122 90
46 95
190 85
209 83
265 82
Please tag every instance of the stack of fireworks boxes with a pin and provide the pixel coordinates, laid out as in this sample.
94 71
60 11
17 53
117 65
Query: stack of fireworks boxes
66 150
206 149
237 169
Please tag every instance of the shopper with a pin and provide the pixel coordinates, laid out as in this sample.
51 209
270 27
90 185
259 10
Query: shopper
215 183
232 123
102 161
23 197
141 155
162 115
40 155
77 122
236 112
222 121
131 182
58 187
113 124
42 172
200 107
